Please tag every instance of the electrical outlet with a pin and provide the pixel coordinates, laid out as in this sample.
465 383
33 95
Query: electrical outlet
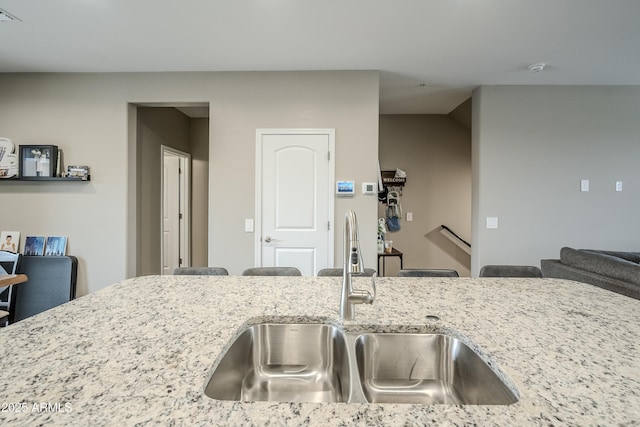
618 185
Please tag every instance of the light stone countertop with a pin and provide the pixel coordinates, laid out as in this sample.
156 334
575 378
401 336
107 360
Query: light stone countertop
139 352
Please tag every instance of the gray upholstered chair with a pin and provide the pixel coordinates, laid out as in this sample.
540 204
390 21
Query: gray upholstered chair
510 271
272 271
427 272
338 272
201 271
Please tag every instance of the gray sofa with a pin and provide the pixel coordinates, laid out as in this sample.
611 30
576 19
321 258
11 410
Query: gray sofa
616 271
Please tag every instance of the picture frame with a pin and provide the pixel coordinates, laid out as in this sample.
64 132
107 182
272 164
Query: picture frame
10 241
78 172
38 161
34 246
56 246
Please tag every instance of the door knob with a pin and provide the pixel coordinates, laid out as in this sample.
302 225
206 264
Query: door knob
267 239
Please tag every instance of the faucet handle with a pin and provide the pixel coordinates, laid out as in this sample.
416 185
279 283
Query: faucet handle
360 297
364 297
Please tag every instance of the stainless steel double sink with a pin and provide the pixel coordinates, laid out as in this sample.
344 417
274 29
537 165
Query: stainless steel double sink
315 362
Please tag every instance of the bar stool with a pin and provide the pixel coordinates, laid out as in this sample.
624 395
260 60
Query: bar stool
429 272
272 271
201 271
510 271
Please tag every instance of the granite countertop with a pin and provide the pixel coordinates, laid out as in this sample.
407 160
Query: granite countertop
140 351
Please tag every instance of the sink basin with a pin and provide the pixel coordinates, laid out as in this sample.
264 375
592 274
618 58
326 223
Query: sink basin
426 369
316 362
284 363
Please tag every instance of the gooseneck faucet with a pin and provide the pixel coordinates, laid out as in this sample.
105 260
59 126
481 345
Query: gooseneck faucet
353 266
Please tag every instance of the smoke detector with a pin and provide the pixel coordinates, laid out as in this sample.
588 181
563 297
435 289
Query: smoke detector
6 16
536 68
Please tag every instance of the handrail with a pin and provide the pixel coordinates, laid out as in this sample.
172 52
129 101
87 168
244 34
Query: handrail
458 240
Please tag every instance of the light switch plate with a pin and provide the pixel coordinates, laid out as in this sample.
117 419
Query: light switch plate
584 185
492 222
248 225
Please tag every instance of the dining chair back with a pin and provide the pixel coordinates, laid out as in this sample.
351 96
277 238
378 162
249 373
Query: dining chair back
201 271
510 271
9 262
428 272
272 271
338 272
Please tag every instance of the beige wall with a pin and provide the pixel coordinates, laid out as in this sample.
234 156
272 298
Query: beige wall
531 147
199 143
90 117
346 101
435 151
463 113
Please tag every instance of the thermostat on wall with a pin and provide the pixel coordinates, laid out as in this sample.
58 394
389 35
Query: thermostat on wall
345 188
369 188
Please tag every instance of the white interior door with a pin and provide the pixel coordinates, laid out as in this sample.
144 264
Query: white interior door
295 199
170 215
175 210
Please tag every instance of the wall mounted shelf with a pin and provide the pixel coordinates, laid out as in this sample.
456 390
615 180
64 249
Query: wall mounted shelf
47 179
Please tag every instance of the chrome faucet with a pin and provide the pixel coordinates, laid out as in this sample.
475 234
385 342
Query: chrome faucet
353 266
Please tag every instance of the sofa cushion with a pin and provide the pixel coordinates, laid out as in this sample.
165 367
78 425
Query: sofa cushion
601 263
629 256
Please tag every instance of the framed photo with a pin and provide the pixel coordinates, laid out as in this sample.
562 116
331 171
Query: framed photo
56 246
34 246
10 241
80 172
38 161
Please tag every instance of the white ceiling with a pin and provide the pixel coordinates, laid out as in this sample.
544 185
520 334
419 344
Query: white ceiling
451 46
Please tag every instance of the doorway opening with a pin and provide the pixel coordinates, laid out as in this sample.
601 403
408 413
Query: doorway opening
435 150
184 128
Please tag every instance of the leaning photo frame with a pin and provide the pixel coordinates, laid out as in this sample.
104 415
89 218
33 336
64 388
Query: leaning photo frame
10 241
38 161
